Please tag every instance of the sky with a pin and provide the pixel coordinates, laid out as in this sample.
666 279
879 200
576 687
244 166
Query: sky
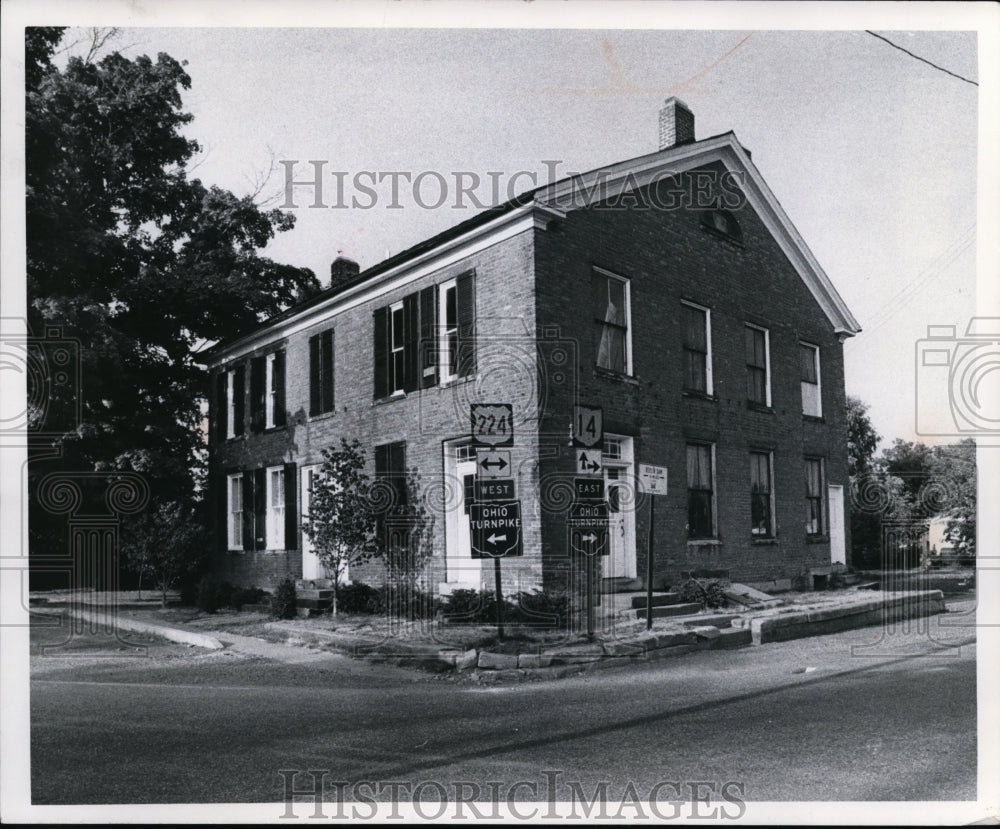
872 153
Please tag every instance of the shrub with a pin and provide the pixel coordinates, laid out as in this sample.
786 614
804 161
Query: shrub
360 598
538 608
706 593
283 600
406 601
213 593
241 596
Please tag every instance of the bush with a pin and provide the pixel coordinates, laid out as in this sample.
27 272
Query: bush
538 608
213 593
360 598
706 593
241 596
404 601
283 600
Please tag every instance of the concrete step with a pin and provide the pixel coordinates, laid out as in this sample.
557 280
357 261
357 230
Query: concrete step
720 620
320 595
659 600
669 610
313 604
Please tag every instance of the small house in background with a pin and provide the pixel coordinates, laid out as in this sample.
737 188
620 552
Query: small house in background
670 290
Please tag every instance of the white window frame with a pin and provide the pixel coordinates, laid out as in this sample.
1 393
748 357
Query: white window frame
397 381
445 374
823 495
269 393
628 317
715 491
275 521
772 524
767 360
230 404
819 381
709 386
234 513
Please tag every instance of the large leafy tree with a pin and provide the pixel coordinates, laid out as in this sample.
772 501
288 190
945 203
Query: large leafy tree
136 260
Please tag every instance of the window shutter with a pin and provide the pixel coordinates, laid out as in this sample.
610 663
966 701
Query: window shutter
397 469
239 403
248 510
465 298
222 510
257 394
428 330
411 336
381 345
314 375
326 362
221 406
260 509
278 380
291 508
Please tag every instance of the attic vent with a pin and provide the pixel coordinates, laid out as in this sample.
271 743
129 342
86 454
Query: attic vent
723 223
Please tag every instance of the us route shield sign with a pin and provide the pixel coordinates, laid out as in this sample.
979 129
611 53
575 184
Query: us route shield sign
496 529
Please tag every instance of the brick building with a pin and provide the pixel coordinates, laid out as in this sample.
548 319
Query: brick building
671 290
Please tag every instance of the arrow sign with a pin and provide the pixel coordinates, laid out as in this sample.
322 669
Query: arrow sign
589 541
588 462
495 529
491 463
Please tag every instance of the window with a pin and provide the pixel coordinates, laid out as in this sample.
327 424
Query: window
321 373
234 511
700 479
814 496
612 448
275 519
430 334
758 366
230 403
761 512
697 348
809 373
611 314
267 391
723 223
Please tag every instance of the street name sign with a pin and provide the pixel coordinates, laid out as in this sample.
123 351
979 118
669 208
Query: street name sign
493 463
495 489
495 529
492 424
653 479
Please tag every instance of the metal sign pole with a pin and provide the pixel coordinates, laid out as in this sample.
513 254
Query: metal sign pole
590 598
496 572
649 567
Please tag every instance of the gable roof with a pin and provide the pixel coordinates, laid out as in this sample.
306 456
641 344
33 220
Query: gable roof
557 199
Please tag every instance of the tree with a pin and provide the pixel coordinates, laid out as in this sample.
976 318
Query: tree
862 439
342 520
955 467
165 543
136 262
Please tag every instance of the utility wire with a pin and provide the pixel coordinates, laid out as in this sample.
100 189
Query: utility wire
922 60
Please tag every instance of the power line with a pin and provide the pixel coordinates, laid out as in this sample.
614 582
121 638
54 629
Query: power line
922 60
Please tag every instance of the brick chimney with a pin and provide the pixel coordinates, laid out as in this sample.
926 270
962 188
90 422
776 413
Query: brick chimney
676 124
342 271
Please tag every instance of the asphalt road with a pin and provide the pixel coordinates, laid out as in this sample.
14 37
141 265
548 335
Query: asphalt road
814 719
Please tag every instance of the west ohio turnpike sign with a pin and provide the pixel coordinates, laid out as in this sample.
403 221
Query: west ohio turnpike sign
496 529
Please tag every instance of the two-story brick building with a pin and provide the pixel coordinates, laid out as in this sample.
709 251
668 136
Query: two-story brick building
671 290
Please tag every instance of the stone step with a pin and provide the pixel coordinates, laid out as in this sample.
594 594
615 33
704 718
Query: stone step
659 599
669 610
321 595
719 620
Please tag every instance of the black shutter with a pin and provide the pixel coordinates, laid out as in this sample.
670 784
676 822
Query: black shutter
326 377
278 382
314 373
239 399
222 510
397 471
257 394
411 337
381 353
260 509
248 511
428 337
291 508
221 406
465 298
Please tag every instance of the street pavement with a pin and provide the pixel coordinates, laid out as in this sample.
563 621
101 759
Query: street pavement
867 714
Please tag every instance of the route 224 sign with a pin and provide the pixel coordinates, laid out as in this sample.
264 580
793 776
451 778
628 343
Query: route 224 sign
493 424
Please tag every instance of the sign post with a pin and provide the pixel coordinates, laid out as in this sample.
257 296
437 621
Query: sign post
654 482
588 442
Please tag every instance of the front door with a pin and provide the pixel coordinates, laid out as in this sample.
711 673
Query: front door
618 489
462 570
838 547
312 567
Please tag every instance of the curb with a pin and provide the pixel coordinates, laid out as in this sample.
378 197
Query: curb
183 637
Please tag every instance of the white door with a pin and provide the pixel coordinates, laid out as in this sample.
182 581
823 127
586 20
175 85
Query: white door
838 547
312 567
462 570
621 560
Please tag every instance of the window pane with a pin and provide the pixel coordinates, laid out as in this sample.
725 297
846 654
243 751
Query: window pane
813 478
699 461
451 309
694 329
807 363
611 349
397 328
615 311
699 513
755 347
760 478
757 385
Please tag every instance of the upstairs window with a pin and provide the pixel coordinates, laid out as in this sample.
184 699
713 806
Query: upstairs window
234 511
758 365
809 373
701 494
761 512
610 298
722 223
267 391
230 403
321 373
697 348
398 381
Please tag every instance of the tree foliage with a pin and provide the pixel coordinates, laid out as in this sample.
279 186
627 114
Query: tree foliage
136 260
862 439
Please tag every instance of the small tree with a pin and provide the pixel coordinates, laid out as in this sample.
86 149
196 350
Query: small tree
341 522
408 545
165 543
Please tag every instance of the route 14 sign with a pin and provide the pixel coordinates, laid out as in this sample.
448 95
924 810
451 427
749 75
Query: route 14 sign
588 426
496 529
493 424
